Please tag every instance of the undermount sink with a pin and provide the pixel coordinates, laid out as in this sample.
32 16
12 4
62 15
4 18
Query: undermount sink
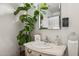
42 45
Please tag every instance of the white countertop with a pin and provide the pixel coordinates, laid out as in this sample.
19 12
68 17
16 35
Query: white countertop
49 48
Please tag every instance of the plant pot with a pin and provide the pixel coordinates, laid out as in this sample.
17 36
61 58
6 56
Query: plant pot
22 50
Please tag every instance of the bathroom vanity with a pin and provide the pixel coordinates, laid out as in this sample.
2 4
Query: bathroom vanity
44 49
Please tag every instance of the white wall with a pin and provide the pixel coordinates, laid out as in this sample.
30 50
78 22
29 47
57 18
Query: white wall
9 29
70 10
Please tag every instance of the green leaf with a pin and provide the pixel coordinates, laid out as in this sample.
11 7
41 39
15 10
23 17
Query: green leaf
28 28
21 37
36 12
30 20
18 10
43 6
26 7
41 16
35 19
23 18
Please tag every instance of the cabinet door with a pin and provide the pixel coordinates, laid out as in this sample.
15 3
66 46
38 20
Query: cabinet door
30 52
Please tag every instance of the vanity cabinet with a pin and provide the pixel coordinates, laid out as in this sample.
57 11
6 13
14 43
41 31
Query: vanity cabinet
44 49
30 52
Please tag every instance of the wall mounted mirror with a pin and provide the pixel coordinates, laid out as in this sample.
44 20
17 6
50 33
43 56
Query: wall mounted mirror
51 17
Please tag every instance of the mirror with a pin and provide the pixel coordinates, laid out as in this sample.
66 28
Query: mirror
51 17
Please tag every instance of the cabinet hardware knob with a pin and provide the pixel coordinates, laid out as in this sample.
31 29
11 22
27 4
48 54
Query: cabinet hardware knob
29 51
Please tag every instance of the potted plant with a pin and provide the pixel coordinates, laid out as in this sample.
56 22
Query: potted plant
28 20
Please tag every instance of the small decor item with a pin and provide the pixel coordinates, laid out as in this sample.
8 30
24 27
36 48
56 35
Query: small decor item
65 22
37 37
